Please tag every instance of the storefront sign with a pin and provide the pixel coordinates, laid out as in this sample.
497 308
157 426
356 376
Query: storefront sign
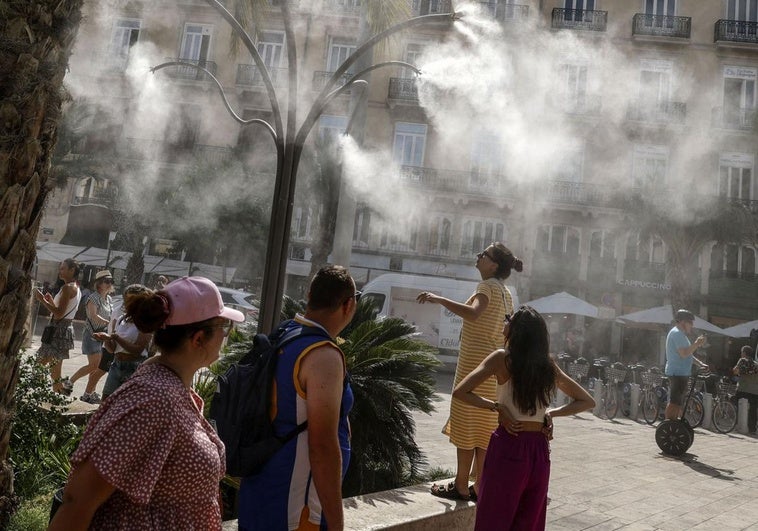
645 284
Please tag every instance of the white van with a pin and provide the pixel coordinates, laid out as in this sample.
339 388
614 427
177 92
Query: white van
395 296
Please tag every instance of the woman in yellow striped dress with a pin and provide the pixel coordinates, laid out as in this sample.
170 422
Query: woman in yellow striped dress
469 428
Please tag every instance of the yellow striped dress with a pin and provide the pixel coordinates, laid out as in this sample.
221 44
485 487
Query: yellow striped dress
470 427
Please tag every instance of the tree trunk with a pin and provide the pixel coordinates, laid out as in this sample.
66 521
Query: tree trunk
37 37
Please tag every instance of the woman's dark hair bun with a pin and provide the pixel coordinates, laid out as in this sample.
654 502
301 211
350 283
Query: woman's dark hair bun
148 310
518 265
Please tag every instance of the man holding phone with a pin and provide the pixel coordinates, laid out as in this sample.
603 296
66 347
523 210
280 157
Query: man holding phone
679 358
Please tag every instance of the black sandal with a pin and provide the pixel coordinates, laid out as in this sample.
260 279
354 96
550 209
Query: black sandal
448 492
472 494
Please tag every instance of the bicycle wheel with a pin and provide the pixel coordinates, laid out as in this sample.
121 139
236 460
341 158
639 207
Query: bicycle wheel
650 406
724 416
694 412
626 400
611 402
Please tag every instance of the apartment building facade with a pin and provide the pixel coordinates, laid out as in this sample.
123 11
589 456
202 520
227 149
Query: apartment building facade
679 110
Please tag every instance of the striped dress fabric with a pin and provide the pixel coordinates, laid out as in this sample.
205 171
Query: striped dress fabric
470 427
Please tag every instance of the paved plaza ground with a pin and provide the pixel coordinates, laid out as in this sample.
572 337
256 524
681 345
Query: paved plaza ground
611 475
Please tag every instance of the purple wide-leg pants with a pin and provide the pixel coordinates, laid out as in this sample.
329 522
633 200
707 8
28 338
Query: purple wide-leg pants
513 488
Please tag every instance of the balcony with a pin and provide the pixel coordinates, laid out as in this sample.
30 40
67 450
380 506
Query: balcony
104 198
187 72
212 155
250 75
467 182
431 7
736 31
403 89
662 26
175 153
732 285
342 7
578 193
735 119
506 12
579 19
555 267
321 77
645 271
582 104
660 112
750 204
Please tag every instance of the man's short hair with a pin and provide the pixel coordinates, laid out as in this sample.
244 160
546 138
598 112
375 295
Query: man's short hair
329 288
684 315
747 350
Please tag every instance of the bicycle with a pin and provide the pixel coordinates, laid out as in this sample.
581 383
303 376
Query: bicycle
578 370
614 375
634 376
694 411
653 395
724 410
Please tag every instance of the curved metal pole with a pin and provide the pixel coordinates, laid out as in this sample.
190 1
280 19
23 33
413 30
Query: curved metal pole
250 45
228 106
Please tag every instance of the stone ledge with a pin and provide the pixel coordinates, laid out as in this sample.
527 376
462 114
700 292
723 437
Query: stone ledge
405 509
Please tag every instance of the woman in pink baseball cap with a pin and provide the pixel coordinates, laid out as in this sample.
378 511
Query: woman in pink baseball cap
148 458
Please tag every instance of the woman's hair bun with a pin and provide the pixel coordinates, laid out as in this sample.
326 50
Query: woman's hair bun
518 265
148 309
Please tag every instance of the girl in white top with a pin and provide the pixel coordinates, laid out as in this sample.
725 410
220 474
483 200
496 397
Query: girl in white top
62 310
513 489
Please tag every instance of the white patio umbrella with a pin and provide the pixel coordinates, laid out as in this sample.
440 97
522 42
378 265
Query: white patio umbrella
741 330
563 303
663 315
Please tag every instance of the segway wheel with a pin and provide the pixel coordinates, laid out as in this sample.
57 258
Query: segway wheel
673 437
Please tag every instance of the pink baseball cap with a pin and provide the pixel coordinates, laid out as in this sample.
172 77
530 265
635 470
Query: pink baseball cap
195 299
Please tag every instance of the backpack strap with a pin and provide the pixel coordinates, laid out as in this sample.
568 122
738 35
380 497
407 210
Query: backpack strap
296 333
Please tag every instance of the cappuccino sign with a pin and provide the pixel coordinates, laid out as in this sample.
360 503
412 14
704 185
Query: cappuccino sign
645 284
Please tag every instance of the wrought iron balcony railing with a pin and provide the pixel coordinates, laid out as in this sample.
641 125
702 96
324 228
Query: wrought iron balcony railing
579 19
249 75
735 118
736 31
431 7
187 72
665 112
320 78
342 7
750 204
215 155
579 193
581 104
506 12
662 26
103 199
454 181
403 88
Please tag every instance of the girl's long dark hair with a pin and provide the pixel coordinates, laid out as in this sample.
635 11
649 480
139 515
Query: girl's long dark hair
532 372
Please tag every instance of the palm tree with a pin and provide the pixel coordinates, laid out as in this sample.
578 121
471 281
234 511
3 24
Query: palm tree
685 231
37 39
391 374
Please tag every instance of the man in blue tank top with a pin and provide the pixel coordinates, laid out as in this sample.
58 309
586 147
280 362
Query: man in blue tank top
679 357
300 487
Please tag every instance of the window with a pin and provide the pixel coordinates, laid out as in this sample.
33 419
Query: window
196 42
182 130
649 166
479 233
736 176
580 4
486 158
650 250
739 94
303 223
409 144
338 53
271 48
742 10
400 238
439 236
331 127
660 7
361 226
569 166
655 82
125 35
733 261
559 239
602 245
413 53
574 90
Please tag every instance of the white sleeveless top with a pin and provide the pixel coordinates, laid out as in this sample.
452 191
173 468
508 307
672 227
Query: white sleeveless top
505 397
73 304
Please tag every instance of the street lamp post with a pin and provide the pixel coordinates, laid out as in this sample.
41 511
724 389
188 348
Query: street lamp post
290 140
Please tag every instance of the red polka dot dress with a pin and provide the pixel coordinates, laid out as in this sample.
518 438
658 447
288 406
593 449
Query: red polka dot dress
150 441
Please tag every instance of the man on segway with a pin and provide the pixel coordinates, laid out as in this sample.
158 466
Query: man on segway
679 357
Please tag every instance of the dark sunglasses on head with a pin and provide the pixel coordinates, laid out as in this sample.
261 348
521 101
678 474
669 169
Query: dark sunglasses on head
485 253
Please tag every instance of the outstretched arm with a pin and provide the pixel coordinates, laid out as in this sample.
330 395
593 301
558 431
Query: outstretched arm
470 312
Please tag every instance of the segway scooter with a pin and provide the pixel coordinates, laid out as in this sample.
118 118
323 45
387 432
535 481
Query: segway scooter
675 437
